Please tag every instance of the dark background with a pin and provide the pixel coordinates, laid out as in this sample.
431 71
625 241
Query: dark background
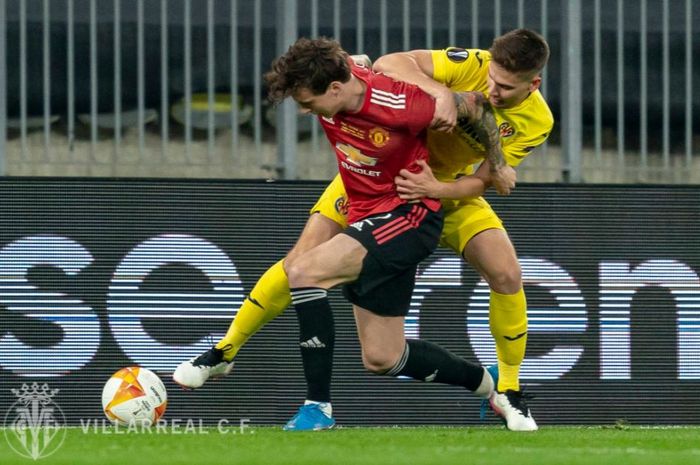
254 223
247 75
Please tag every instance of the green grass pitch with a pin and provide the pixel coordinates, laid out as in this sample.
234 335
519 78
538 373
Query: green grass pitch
346 446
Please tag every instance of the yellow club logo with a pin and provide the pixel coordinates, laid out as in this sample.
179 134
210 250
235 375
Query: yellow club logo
341 205
505 129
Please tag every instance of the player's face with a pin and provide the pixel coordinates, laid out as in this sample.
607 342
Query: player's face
326 104
507 89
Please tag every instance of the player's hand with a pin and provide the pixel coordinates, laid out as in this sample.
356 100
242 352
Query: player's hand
503 179
415 186
445 117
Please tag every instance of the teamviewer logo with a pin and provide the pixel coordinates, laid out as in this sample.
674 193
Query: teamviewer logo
34 424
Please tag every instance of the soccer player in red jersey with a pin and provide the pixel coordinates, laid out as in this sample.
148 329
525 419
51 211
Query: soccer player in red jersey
377 127
515 120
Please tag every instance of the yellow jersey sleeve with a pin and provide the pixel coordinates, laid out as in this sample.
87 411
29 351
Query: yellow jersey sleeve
461 69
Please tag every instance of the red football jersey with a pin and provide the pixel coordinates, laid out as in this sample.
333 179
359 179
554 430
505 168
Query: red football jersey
374 144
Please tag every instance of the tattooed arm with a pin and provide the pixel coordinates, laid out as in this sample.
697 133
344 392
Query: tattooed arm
475 107
493 171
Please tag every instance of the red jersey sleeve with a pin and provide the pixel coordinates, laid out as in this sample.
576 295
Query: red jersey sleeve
420 108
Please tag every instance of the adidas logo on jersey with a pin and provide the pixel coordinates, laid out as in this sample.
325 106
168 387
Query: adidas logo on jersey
313 343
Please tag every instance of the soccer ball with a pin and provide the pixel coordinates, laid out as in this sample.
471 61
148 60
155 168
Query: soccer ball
134 395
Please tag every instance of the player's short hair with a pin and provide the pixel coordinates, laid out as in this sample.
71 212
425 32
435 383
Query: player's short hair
308 64
520 51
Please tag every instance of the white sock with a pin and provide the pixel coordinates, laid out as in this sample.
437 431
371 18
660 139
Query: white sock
326 407
486 387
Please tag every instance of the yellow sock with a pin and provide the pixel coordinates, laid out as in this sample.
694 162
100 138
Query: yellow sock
508 322
266 301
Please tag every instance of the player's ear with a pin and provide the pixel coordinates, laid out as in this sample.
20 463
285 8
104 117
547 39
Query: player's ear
535 83
334 88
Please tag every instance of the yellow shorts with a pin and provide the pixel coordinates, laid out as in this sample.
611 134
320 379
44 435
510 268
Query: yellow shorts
464 219
333 203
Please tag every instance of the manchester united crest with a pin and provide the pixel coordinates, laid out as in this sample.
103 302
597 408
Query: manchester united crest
378 136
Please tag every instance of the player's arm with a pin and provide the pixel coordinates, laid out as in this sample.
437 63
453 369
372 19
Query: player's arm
475 107
416 67
415 186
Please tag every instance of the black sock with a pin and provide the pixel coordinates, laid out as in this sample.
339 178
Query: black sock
425 361
316 340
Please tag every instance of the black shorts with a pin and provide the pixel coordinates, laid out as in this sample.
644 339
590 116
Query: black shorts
396 242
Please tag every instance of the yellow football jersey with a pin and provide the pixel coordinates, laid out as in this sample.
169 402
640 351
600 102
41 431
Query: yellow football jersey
522 128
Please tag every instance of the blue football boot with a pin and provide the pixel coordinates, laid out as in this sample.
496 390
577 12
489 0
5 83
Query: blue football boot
310 417
493 371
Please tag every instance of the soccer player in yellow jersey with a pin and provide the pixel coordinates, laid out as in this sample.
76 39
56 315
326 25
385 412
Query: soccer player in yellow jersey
506 77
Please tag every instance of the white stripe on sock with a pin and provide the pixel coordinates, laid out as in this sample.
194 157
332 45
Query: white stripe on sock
308 295
400 364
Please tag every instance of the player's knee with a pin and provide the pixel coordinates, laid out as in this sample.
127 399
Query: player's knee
506 280
296 271
377 361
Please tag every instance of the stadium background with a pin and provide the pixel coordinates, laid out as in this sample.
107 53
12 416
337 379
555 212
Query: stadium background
156 88
191 249
96 94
